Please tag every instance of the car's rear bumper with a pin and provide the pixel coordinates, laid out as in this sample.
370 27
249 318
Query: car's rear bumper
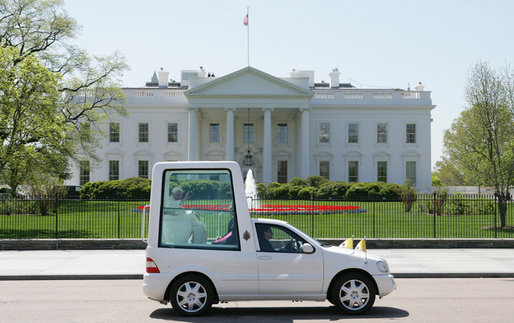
155 285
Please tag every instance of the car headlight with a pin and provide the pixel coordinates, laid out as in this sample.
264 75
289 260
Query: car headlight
382 266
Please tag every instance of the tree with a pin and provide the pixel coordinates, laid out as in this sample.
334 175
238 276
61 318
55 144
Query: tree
449 175
480 142
54 96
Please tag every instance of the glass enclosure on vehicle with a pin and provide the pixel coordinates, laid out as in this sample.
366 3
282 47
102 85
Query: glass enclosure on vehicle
198 210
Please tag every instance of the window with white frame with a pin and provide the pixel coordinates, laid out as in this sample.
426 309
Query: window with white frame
282 133
172 132
84 176
353 171
382 171
381 133
114 170
410 133
142 168
324 168
214 133
143 131
248 133
324 132
353 133
282 171
410 167
114 132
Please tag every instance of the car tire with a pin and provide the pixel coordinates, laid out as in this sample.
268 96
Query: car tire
353 293
191 295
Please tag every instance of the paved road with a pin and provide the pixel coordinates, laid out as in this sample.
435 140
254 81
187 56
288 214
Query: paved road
415 300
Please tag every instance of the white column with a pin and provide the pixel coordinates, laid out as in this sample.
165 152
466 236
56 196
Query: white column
230 134
191 152
304 144
266 156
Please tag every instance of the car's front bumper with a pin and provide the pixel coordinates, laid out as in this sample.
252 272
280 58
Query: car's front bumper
385 284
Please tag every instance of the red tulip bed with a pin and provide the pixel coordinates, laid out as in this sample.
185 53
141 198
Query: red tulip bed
305 209
279 209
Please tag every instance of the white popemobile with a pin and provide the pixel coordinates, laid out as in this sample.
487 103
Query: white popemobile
203 248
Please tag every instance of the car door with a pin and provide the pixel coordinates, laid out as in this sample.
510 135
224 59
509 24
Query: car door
282 265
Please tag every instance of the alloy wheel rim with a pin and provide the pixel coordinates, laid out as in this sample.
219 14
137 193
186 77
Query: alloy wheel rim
354 294
191 297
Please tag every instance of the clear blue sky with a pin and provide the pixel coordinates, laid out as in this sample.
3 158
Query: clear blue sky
373 43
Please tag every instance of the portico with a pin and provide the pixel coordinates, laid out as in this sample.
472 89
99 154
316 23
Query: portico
275 116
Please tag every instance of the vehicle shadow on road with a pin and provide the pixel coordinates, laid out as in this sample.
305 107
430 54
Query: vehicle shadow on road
278 314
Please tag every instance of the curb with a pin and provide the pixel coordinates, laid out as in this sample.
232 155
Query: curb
140 277
135 244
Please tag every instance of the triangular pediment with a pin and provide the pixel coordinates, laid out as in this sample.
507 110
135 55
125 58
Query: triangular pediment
248 82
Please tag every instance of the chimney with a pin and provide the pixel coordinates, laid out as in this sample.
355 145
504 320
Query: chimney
163 78
420 87
334 78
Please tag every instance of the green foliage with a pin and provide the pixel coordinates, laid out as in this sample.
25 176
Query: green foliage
407 195
130 188
449 175
206 189
458 204
53 96
278 192
261 189
328 190
480 142
297 181
316 180
375 190
436 181
307 193
333 190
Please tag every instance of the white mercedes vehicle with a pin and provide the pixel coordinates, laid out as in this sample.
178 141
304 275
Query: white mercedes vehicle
204 248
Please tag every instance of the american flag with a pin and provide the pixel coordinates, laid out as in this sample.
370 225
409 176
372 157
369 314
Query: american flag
245 21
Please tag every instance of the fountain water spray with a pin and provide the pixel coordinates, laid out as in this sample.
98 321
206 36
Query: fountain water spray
250 189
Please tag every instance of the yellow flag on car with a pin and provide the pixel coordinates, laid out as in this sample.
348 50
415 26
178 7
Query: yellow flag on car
361 245
348 243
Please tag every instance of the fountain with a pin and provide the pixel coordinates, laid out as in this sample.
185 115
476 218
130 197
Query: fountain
250 189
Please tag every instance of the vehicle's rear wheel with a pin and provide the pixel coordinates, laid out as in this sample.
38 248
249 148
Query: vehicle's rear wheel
353 293
191 295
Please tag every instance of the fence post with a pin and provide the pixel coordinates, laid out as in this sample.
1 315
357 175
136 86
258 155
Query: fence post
435 212
495 215
312 218
374 202
119 218
56 216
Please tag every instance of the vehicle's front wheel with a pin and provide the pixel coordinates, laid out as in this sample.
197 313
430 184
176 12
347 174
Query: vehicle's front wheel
191 295
353 293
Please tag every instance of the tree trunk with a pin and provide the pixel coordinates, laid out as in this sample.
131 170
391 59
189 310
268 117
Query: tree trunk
502 209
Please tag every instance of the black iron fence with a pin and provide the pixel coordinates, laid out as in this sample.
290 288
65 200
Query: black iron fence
414 216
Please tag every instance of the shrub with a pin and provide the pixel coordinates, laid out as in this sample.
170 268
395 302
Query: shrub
307 193
261 190
297 181
130 188
407 195
316 180
332 190
459 204
278 192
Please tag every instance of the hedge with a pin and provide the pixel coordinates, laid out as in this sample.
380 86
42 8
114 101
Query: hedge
318 187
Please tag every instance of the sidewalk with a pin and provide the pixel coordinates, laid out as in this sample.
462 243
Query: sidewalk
130 264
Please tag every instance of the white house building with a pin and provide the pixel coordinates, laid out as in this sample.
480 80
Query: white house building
290 126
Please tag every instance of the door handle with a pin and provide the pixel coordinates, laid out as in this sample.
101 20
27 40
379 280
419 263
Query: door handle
264 257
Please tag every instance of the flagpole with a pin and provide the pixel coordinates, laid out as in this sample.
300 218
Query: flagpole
248 34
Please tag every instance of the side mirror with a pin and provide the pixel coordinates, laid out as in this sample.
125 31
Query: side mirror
307 248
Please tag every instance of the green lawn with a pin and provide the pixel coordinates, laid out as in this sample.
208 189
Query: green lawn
114 219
